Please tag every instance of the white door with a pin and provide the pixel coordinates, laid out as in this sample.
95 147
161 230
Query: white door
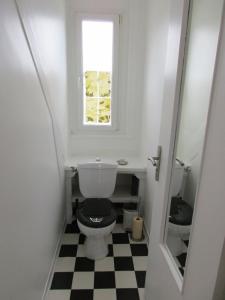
163 280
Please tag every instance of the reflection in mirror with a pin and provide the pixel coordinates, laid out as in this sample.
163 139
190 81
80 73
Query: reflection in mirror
181 212
195 96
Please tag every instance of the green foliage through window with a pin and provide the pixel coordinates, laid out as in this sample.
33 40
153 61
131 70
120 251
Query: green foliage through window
97 97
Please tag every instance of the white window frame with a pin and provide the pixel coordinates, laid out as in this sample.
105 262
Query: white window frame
79 72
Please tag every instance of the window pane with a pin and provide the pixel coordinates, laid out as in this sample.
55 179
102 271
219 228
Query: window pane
97 40
97 46
91 78
91 110
104 110
104 84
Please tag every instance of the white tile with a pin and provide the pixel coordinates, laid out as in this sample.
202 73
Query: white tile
70 239
106 264
65 264
80 251
58 295
141 294
121 250
140 263
118 229
105 294
108 239
125 279
83 280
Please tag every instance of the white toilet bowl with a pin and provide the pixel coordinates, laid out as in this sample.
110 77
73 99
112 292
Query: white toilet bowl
176 235
95 245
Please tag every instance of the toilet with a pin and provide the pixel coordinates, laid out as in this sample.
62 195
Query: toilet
96 216
180 213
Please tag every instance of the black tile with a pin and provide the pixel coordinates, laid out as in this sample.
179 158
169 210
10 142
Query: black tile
110 253
62 281
68 251
82 238
123 264
181 271
125 294
120 238
140 276
72 228
119 219
84 264
69 228
182 259
186 242
82 295
104 280
118 205
139 249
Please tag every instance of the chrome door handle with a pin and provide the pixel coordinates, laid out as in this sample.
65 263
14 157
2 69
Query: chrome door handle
153 160
156 161
180 162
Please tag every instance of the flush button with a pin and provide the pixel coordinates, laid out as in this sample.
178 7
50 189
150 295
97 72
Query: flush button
98 159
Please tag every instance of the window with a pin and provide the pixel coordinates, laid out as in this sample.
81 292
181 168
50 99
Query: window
98 64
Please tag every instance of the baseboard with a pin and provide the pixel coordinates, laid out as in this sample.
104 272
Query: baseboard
56 254
146 233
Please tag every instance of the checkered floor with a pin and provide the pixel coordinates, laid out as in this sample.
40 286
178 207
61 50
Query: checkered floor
181 259
119 276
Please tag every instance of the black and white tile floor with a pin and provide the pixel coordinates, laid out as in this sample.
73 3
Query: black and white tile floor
119 276
181 259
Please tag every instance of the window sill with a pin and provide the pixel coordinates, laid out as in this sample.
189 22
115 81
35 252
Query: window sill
92 129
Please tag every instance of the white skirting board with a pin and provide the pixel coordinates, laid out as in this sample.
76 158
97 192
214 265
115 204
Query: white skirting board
56 254
146 233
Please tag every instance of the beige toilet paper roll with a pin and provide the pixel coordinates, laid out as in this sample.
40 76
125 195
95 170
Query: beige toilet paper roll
137 227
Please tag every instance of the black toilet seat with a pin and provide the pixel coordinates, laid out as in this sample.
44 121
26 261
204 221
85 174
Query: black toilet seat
96 213
180 212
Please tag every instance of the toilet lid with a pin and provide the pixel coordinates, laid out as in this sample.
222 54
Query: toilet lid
100 209
180 212
93 207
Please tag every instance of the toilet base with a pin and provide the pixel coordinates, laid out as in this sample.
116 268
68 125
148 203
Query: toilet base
96 247
176 235
175 244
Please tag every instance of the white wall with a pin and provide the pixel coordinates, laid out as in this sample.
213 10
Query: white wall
155 56
44 23
219 291
197 83
31 206
125 141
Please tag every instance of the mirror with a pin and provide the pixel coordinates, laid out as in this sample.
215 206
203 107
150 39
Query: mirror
192 118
